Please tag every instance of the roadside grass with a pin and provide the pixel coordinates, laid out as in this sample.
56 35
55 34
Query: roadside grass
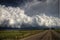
17 34
57 31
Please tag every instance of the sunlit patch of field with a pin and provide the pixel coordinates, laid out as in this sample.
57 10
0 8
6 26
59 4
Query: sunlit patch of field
17 34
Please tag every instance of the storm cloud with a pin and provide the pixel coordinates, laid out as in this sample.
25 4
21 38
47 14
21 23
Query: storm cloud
31 12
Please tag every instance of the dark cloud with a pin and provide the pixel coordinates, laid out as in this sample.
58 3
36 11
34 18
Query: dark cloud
42 0
49 7
15 2
11 2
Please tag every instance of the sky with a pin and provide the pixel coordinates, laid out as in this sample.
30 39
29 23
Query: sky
32 12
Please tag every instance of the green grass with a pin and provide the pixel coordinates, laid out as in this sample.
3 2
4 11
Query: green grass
57 31
17 34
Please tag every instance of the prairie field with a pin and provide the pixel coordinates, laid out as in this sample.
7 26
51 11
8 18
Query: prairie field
17 34
29 34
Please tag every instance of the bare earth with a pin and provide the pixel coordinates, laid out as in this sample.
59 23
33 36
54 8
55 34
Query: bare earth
46 35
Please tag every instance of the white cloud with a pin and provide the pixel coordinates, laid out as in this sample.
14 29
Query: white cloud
16 17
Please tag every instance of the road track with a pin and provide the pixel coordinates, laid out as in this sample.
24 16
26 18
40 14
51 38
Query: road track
46 35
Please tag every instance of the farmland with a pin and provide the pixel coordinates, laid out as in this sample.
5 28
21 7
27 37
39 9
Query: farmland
17 34
29 34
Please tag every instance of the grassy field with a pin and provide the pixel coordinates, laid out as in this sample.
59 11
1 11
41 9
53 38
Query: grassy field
57 31
17 34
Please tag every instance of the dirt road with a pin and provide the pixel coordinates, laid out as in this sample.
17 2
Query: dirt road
46 35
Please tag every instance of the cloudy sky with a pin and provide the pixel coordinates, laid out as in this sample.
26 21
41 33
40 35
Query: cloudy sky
32 12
